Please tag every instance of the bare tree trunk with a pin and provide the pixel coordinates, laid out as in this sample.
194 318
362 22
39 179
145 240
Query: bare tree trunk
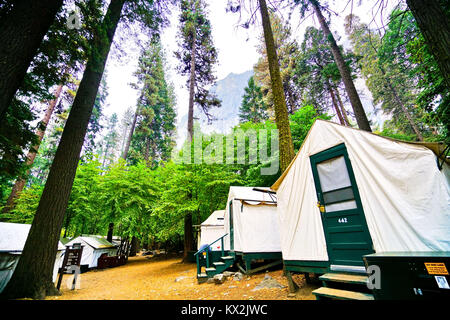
358 109
335 105
66 226
124 140
105 156
405 110
281 111
191 93
402 106
21 32
147 154
434 24
134 247
188 236
341 105
31 156
130 136
109 237
33 274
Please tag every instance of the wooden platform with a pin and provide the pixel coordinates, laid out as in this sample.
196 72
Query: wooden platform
331 293
344 278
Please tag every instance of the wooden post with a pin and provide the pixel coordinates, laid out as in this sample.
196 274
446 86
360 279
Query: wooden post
198 265
293 287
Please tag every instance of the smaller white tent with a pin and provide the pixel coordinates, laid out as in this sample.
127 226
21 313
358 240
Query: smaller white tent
12 240
211 230
93 248
255 226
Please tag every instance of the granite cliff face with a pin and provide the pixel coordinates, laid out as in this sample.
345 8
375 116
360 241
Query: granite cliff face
230 91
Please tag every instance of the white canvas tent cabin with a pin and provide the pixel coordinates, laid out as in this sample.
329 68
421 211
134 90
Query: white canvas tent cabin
252 226
210 237
212 229
350 193
93 248
251 232
12 240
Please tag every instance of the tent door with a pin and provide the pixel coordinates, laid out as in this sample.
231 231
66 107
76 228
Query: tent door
339 203
231 226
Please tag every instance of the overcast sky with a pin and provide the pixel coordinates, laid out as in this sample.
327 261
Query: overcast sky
236 51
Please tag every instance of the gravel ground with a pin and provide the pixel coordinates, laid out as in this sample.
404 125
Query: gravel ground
145 278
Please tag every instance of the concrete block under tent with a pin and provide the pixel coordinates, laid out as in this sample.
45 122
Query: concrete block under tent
93 248
349 193
12 240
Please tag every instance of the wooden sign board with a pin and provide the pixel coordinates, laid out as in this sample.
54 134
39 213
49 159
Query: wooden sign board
71 263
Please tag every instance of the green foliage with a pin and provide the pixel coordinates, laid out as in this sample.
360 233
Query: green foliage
253 107
127 197
47 149
434 95
407 63
390 85
191 189
26 206
317 71
302 121
16 135
388 132
82 210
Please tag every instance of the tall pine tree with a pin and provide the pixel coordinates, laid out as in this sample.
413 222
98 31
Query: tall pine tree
197 57
287 49
153 138
318 76
253 107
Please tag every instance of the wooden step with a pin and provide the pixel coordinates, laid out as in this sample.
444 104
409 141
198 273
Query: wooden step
345 268
210 269
341 294
344 278
202 275
227 258
218 264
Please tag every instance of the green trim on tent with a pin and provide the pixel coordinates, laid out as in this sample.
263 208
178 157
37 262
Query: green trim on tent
307 266
346 232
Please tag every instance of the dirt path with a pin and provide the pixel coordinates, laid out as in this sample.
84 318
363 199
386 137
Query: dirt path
148 279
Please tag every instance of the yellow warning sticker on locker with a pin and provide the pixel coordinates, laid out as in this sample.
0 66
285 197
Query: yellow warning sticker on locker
436 268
